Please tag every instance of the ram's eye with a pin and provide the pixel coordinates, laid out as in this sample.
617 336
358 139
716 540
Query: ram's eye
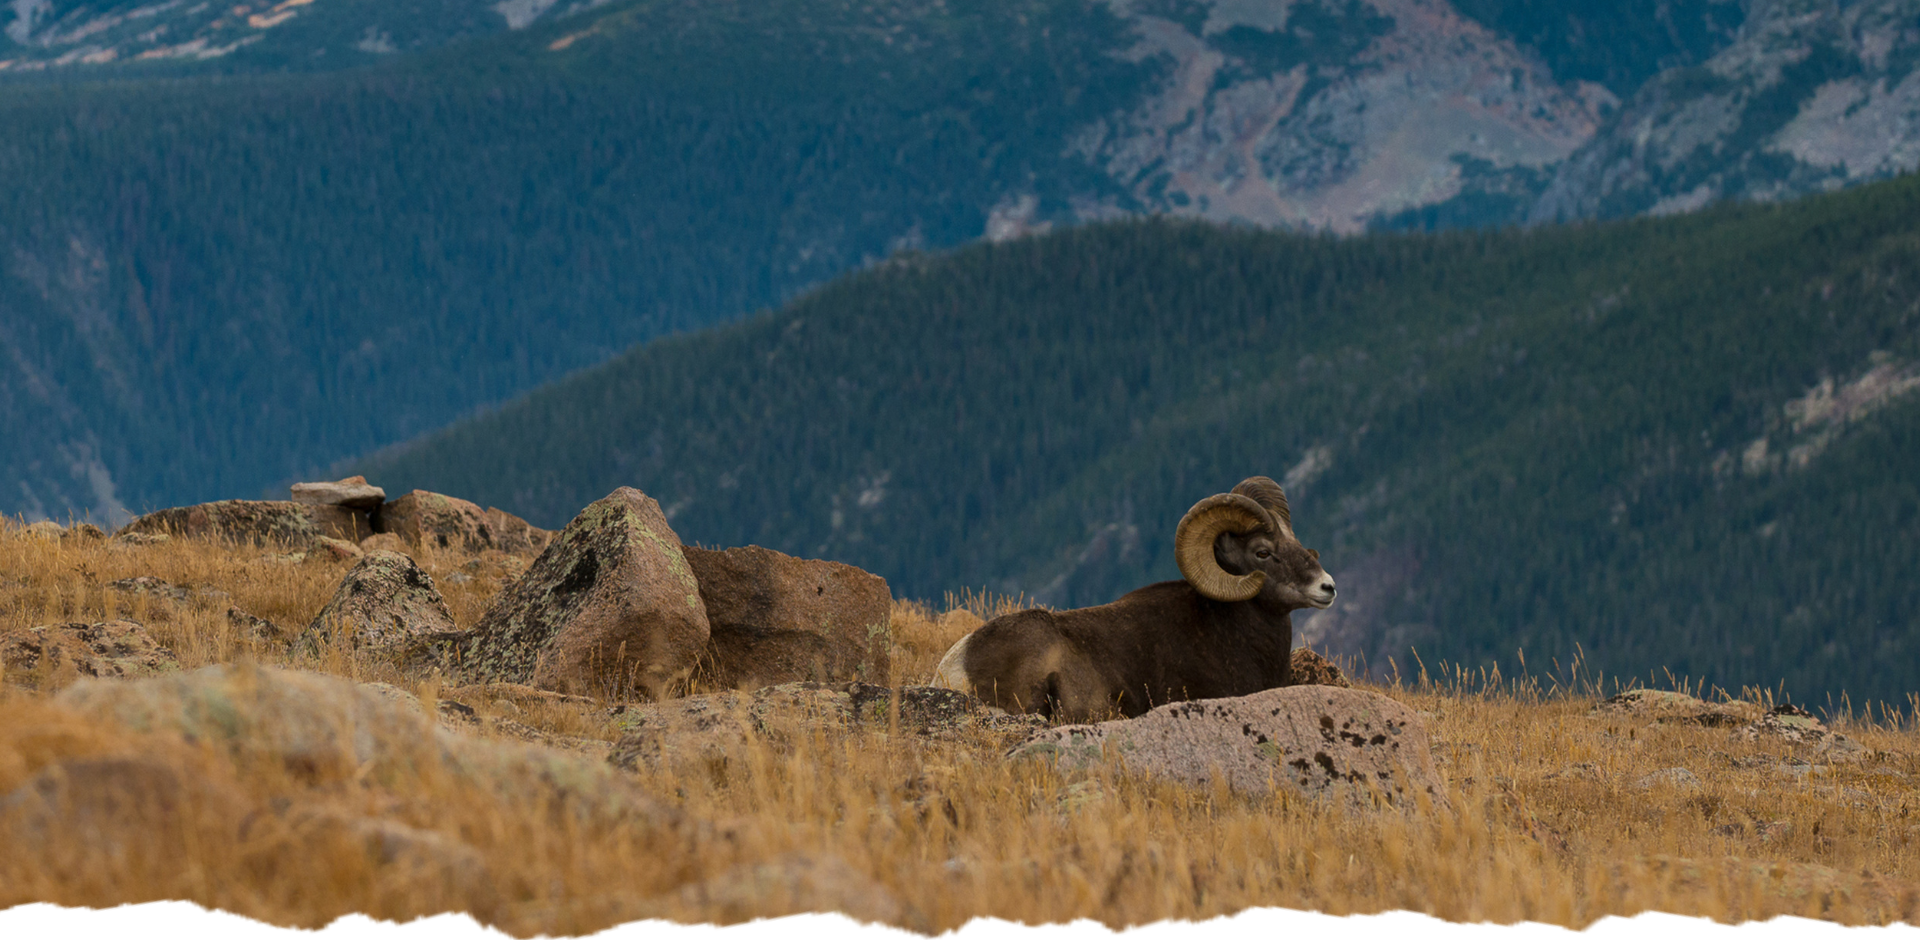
1263 553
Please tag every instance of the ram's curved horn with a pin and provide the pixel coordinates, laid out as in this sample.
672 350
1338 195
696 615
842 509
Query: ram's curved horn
1193 545
1270 497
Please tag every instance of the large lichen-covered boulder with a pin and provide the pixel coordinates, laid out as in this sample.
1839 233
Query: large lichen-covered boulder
776 618
436 520
384 601
1359 748
282 523
56 653
609 608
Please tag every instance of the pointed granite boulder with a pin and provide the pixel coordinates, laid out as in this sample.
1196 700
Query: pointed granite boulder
609 607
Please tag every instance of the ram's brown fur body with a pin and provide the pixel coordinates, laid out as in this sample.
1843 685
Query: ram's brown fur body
1166 642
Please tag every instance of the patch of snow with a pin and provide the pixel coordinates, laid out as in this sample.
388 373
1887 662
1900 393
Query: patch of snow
520 14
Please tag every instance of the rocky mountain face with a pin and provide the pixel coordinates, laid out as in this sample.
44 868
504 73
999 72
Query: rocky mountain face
70 35
1813 95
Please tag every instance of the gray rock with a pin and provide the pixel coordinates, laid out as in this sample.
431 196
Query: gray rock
1353 747
1679 778
353 492
45 529
383 603
259 522
775 618
609 608
1796 725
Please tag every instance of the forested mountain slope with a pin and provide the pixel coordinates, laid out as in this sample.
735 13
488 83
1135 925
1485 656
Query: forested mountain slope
1681 443
359 221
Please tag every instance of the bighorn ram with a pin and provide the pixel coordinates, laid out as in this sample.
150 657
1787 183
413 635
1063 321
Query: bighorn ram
1224 631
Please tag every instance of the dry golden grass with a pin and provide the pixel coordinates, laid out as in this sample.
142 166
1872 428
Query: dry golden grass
1551 821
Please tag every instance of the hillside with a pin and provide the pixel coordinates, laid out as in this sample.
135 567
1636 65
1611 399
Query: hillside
1677 444
295 784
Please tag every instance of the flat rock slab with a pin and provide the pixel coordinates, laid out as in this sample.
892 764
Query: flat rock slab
610 607
279 523
1675 708
352 492
1358 748
115 649
775 618
383 602
437 521
712 726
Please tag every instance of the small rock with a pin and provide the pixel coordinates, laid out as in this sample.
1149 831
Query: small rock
335 550
383 603
775 618
437 521
352 492
1677 777
1320 741
141 538
115 649
1311 668
610 606
257 629
152 587
84 532
45 529
284 524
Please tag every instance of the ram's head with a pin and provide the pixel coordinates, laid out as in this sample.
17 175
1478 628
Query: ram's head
1240 546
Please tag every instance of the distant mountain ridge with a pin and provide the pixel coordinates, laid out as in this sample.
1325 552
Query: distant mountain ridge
242 242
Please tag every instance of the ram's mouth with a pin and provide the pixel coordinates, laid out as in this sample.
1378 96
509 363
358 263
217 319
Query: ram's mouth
1323 604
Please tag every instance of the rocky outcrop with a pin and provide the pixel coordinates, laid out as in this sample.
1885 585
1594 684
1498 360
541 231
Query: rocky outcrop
1795 725
49 656
775 618
716 726
1808 98
353 492
437 521
1352 747
384 602
275 523
609 608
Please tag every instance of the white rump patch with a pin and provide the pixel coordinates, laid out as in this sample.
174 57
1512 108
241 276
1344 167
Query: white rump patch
950 674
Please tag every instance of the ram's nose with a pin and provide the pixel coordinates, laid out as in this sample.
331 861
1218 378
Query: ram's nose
1324 592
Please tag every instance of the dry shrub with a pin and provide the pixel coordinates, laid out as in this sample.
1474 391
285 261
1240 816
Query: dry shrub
1560 817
